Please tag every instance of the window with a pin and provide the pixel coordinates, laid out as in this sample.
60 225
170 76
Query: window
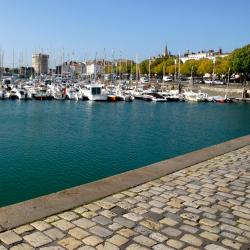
96 91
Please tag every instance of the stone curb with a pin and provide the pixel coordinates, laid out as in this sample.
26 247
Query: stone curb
24 212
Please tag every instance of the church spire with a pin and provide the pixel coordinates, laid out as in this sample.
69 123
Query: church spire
166 54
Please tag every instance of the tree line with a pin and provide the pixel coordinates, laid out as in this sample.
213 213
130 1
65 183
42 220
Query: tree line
237 62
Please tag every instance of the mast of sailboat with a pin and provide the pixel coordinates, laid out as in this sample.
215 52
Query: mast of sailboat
228 79
62 63
0 63
112 68
95 65
131 73
13 61
104 59
175 69
213 76
120 65
149 65
179 75
164 70
126 66
136 69
179 67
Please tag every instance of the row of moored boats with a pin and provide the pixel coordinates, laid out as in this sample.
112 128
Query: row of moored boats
100 92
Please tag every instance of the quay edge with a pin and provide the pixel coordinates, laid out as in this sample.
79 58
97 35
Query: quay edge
27 211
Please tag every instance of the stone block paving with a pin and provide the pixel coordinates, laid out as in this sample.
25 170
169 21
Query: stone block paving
205 206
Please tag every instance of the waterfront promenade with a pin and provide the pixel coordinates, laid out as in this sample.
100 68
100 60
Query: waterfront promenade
203 206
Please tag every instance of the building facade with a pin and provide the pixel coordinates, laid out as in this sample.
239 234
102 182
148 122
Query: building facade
40 63
93 68
71 69
211 55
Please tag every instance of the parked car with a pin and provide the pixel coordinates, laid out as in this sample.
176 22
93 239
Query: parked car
219 82
167 78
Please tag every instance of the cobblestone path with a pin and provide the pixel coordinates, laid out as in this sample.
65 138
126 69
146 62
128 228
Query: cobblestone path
206 206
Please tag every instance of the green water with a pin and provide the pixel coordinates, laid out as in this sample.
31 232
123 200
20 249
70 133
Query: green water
49 146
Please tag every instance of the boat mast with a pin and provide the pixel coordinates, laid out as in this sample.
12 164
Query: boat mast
104 59
228 79
95 65
126 65
131 73
179 67
0 63
13 60
175 69
213 76
149 64
120 65
136 69
179 75
112 68
62 63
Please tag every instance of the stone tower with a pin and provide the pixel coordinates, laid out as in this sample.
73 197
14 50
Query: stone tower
40 63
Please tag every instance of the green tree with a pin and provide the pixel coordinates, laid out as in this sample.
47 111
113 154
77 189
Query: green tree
221 65
240 60
144 67
189 67
205 66
158 65
170 69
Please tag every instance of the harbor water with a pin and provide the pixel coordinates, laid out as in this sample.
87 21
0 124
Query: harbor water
49 146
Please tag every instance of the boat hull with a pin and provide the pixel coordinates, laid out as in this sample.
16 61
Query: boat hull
111 98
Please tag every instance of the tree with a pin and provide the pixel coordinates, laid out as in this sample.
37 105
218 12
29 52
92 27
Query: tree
240 60
190 67
162 64
170 69
144 67
222 65
205 66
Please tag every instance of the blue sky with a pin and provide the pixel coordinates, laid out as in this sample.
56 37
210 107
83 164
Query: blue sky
82 28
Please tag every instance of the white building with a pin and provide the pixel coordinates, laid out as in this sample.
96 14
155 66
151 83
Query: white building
93 68
74 68
211 54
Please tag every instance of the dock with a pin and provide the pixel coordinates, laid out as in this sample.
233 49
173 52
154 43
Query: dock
200 200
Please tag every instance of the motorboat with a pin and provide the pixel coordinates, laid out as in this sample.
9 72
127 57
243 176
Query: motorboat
59 96
155 99
41 96
5 94
195 97
15 94
25 95
72 95
129 98
111 98
95 92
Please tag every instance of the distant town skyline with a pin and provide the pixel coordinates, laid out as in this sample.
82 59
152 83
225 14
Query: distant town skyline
82 30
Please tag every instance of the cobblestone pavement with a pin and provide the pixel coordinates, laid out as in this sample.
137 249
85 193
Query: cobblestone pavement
206 206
